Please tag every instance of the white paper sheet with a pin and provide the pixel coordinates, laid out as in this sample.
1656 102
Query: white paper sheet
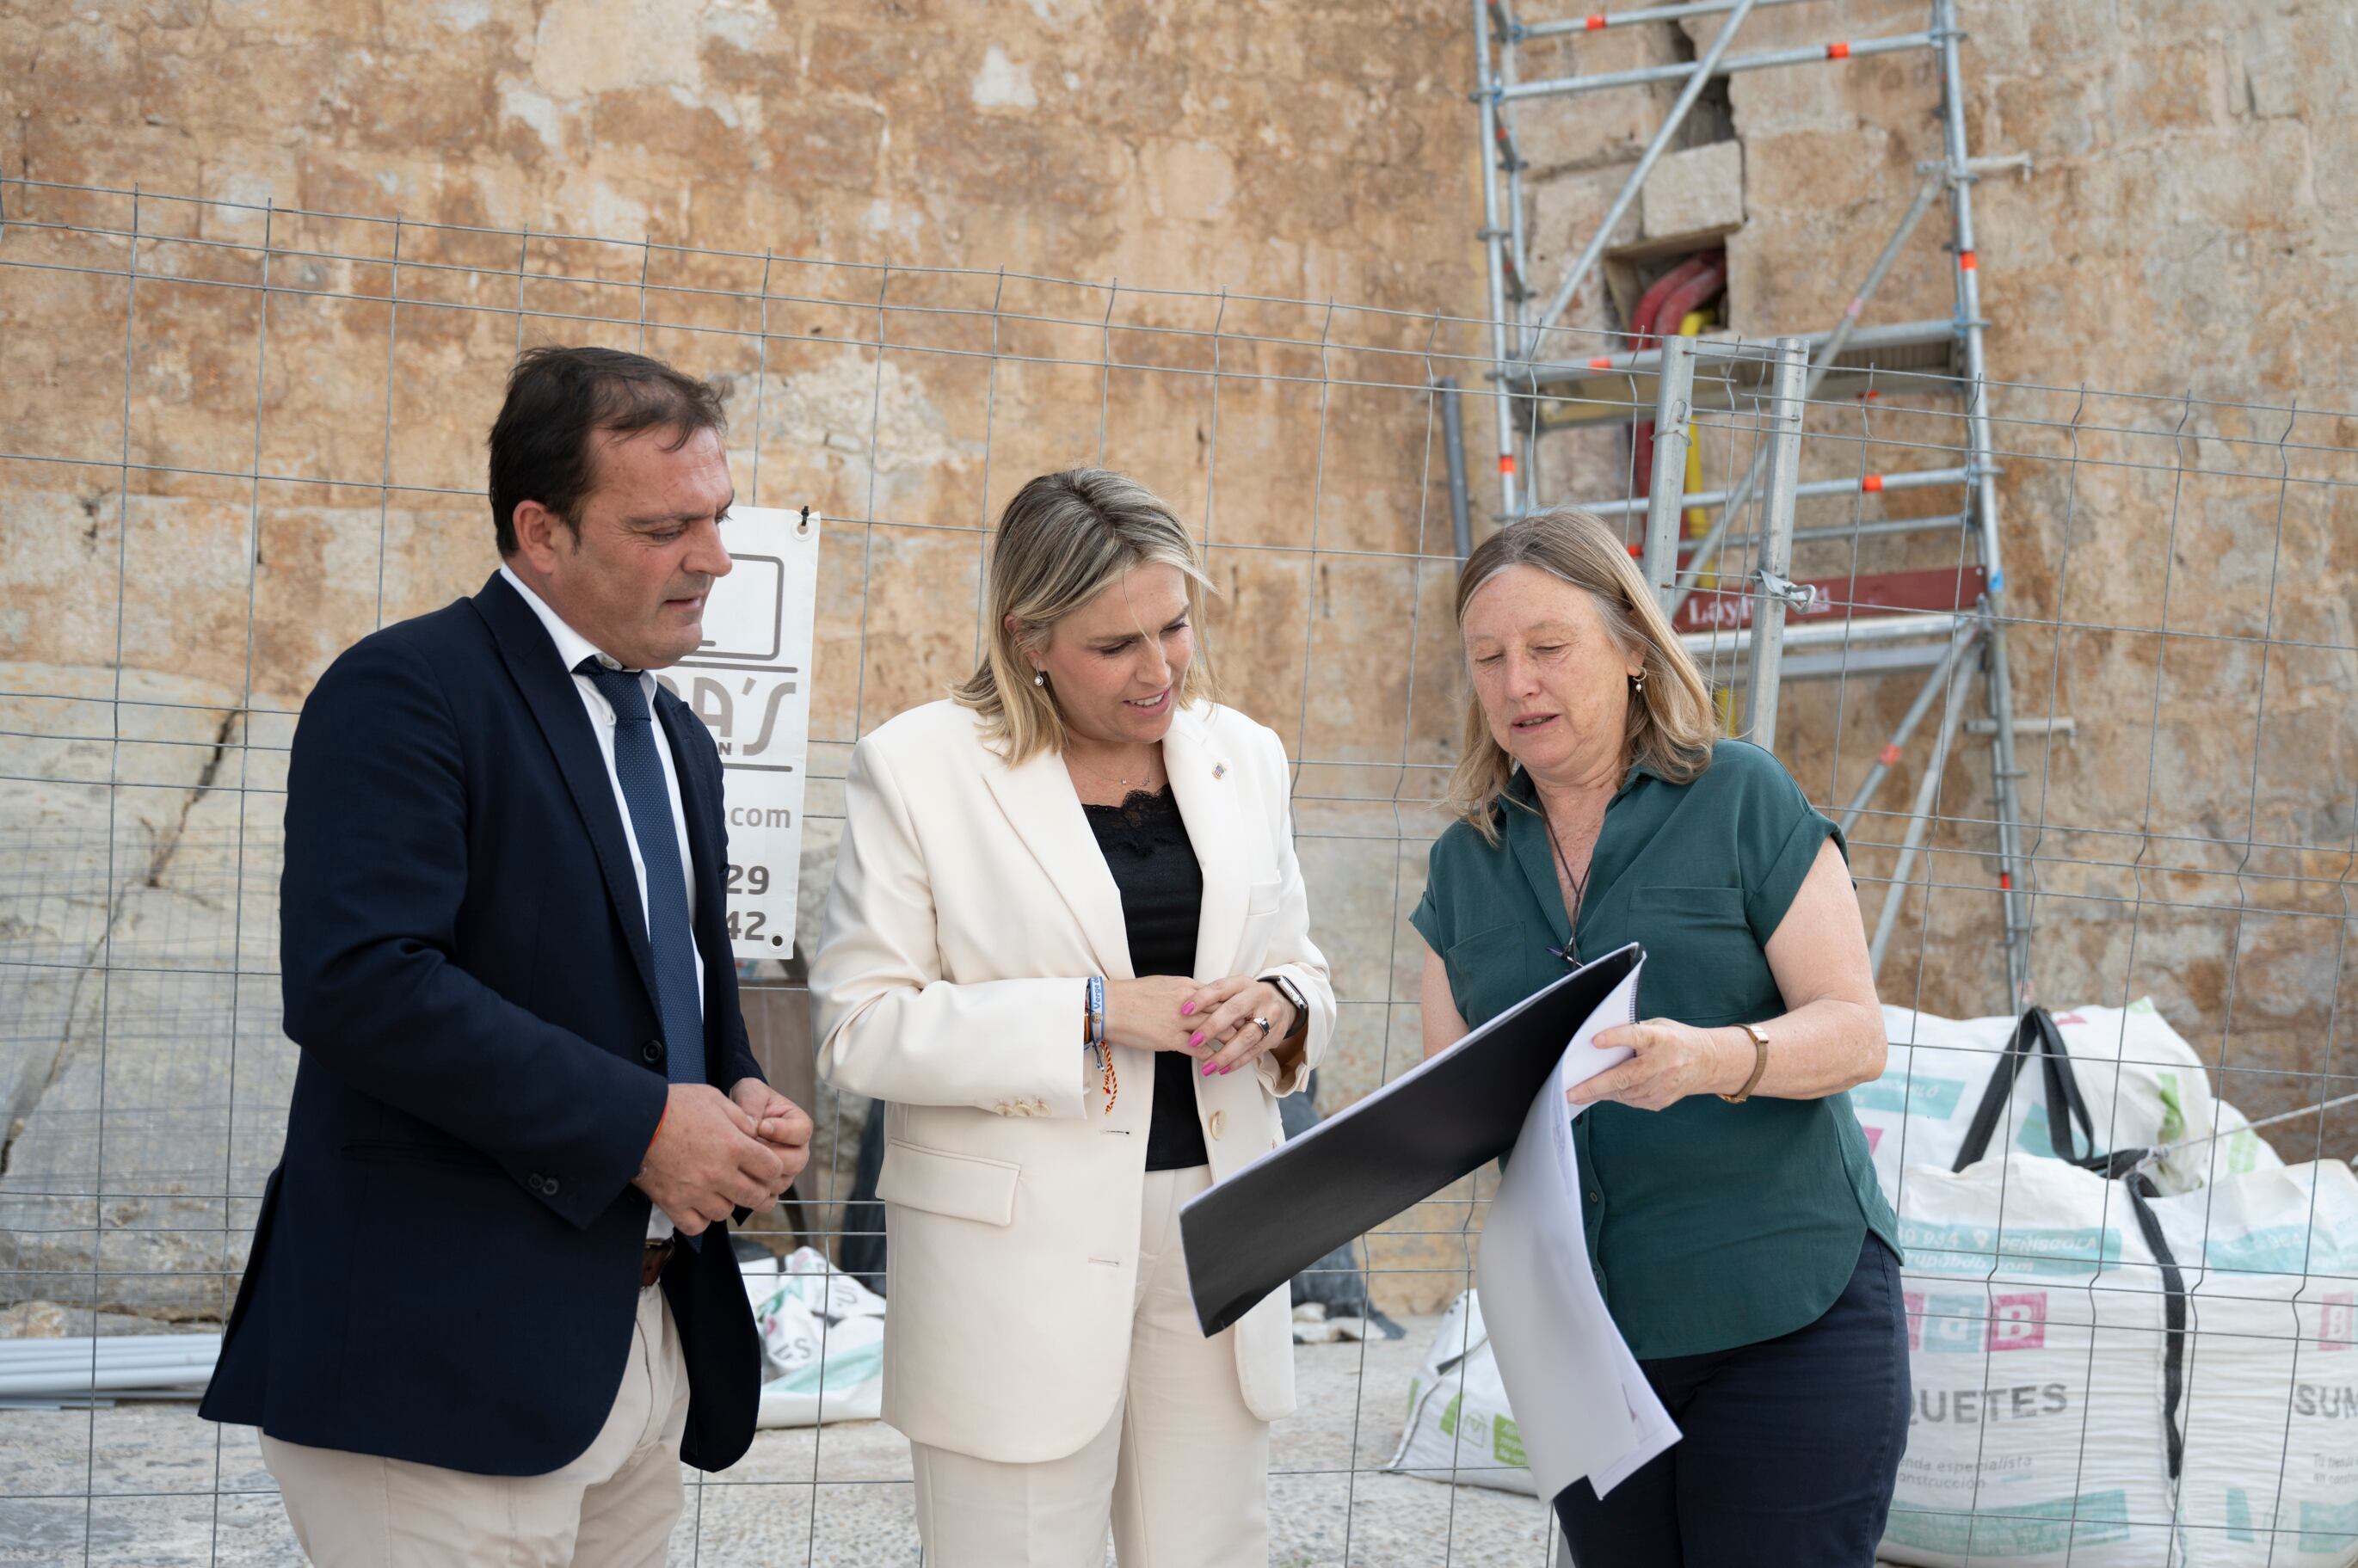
1581 1403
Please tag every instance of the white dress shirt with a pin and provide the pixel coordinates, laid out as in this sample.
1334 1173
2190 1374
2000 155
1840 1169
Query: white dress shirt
573 647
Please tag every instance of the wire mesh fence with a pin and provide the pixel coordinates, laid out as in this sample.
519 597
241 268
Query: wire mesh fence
237 438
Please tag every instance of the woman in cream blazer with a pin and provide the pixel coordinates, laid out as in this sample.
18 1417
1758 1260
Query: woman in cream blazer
1041 1354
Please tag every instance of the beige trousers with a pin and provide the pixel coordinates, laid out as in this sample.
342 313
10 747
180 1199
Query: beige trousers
611 1507
1181 1472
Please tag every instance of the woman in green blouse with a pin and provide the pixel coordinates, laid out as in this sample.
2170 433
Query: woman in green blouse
1733 1214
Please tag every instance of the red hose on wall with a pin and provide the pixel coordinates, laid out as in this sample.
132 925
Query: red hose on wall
1671 296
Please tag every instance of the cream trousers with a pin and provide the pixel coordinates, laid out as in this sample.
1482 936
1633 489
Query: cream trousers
1180 1474
612 1508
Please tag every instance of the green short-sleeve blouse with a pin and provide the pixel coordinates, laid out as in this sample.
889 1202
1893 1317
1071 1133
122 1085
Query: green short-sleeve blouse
1710 1225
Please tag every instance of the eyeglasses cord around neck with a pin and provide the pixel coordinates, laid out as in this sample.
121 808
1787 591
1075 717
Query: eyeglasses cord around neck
1570 951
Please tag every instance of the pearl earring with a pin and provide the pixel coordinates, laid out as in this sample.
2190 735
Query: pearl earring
1637 681
1039 677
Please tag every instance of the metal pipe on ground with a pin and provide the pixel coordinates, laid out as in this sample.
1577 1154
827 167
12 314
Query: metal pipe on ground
161 1365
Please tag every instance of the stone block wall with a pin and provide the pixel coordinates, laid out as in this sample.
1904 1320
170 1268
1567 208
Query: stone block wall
2182 229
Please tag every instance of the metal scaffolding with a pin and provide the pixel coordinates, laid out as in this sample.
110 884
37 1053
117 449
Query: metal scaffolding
1540 387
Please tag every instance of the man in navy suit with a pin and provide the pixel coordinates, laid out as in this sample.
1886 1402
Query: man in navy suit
492 1302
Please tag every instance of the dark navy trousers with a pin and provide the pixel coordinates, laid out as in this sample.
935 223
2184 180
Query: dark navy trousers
1789 1452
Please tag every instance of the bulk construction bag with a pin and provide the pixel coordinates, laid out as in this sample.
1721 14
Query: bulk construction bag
2107 1374
1459 1429
822 1341
2269 1398
2038 1337
2144 1088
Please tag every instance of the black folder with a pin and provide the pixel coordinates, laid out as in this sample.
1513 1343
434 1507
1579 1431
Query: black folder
1441 1120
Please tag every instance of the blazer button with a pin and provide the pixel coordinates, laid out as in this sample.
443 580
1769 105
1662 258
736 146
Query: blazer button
652 1052
1219 1122
548 1185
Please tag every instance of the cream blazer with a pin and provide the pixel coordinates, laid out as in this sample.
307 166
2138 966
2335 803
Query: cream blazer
970 906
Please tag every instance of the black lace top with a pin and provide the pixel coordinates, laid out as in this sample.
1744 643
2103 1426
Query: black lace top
1145 843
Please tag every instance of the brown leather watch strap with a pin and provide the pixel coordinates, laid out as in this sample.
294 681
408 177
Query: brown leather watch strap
1759 1063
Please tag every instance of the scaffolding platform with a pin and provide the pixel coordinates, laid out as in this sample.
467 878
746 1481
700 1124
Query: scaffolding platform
1753 625
1906 359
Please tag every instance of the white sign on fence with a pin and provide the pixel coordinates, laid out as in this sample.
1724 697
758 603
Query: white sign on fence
750 682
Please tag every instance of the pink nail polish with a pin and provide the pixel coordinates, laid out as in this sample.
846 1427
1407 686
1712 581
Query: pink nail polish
1196 1038
1209 1069
1187 1010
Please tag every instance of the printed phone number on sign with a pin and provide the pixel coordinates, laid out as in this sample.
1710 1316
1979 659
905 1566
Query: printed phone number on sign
748 881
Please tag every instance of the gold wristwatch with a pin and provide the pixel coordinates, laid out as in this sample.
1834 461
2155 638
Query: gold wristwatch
1759 1063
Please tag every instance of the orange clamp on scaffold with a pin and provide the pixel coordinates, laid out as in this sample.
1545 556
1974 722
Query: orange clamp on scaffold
1602 362
1506 463
1595 24
1871 483
1890 757
1837 51
2005 881
1967 262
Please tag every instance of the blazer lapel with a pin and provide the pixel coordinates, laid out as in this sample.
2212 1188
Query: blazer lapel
556 704
1045 812
1206 784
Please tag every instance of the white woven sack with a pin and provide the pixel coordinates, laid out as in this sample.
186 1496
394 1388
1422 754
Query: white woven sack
2035 1320
2228 1147
2038 1347
2143 1086
1459 1427
822 1341
2271 1396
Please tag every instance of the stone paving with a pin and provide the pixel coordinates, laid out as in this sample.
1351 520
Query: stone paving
171 1491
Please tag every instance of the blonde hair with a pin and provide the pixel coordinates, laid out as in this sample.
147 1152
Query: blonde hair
1061 541
1670 725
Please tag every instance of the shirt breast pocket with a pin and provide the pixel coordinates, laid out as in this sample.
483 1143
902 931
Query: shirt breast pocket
1496 967
1710 969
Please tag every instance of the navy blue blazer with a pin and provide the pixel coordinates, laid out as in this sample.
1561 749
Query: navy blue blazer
445 1265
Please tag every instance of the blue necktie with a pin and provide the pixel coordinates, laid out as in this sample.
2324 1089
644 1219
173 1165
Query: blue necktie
678 980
